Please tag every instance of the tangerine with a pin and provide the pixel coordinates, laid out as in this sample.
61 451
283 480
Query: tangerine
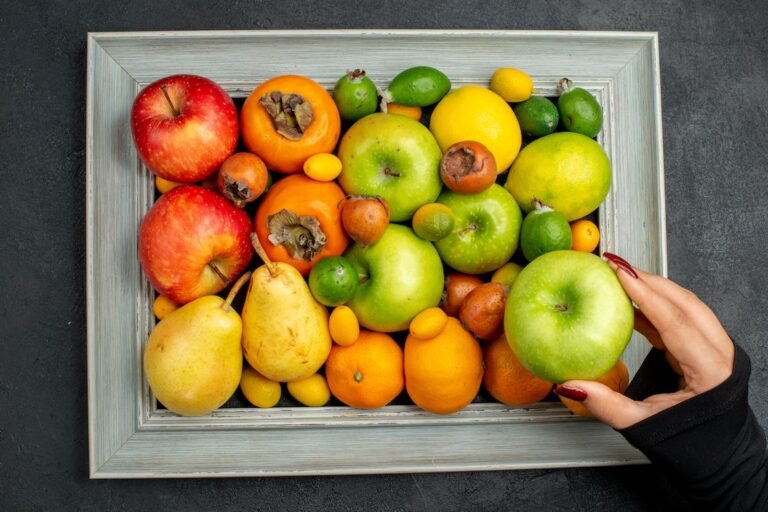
617 378
585 235
507 380
367 374
443 374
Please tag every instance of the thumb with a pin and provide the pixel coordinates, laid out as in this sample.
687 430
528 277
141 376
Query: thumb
612 408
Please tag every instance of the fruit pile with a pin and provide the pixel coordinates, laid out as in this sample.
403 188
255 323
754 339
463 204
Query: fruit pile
420 242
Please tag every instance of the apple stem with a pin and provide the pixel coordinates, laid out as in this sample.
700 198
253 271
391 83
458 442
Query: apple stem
170 103
218 272
233 291
263 255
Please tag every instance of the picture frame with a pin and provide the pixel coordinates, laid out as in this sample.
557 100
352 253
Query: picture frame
130 437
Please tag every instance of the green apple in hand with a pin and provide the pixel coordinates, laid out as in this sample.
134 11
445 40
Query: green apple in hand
568 317
400 275
394 157
485 232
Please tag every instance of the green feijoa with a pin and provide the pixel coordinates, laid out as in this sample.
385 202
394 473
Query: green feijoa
538 116
418 86
355 95
579 110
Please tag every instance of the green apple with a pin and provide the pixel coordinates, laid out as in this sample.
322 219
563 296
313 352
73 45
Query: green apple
400 276
394 157
568 317
485 232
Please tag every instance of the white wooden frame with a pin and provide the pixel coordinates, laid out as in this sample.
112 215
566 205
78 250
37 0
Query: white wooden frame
131 438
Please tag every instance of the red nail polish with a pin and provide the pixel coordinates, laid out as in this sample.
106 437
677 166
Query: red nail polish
573 393
621 263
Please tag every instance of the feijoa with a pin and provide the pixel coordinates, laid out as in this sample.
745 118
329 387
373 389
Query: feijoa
579 110
418 86
538 116
355 95
544 230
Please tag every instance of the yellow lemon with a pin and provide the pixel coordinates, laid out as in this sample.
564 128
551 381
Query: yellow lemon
259 390
312 391
512 84
476 113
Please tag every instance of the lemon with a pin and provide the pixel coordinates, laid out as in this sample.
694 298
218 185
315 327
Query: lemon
259 390
567 171
312 391
433 221
512 84
476 113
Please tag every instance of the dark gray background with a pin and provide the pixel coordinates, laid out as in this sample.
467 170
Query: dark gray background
714 70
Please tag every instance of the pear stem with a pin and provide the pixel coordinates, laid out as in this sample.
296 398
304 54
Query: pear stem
263 255
233 291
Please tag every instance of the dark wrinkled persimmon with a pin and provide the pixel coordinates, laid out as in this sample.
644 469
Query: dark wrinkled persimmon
242 178
468 167
482 311
365 218
457 286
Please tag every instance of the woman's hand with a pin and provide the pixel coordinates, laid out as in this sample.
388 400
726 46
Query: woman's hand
672 319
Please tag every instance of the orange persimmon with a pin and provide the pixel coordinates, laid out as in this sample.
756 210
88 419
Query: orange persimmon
298 221
287 119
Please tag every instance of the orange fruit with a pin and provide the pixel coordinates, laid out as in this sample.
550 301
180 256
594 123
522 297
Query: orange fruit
617 378
404 110
162 306
585 235
428 324
343 325
507 380
367 374
443 374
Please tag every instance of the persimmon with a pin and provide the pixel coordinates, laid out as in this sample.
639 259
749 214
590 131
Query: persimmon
287 119
457 287
298 221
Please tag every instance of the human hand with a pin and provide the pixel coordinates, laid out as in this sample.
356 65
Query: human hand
672 319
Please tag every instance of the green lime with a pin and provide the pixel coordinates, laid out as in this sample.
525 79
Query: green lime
433 221
544 230
537 116
333 280
579 110
355 95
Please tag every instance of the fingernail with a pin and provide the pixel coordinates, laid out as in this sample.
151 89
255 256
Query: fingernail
620 263
577 394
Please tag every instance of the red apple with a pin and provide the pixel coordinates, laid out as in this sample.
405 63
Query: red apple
184 127
193 242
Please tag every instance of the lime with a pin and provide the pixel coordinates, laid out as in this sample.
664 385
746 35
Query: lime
544 230
433 221
579 110
567 171
512 84
333 280
537 116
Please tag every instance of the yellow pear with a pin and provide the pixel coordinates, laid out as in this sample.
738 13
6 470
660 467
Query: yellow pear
285 330
193 359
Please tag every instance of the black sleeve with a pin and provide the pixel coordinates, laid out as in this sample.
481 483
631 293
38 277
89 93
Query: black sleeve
711 446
